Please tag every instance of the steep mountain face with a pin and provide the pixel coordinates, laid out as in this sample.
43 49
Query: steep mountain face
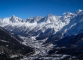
72 28
37 31
10 45
71 41
38 27
70 45
14 19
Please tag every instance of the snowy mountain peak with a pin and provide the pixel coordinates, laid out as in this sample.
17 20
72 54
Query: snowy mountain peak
15 19
49 15
13 16
67 14
39 24
78 11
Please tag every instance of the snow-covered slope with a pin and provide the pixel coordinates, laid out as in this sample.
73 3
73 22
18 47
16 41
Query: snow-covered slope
75 24
10 45
39 29
35 26
43 27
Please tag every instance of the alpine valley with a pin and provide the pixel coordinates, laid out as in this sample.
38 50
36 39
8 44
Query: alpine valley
40 38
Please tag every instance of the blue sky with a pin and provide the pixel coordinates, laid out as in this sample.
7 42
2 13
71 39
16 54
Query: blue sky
32 8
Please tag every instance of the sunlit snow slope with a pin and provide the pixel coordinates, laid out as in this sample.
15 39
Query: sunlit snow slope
38 30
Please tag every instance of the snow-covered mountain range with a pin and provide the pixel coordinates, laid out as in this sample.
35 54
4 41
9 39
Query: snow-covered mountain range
44 27
43 33
38 30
